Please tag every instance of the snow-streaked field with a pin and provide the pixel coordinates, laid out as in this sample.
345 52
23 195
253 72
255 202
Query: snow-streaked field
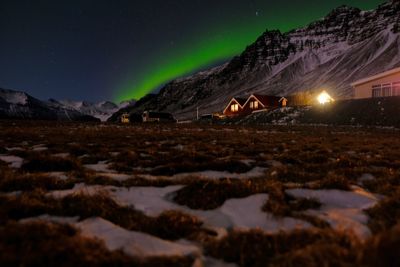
197 195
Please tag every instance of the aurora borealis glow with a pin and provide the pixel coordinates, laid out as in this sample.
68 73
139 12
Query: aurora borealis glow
219 45
117 50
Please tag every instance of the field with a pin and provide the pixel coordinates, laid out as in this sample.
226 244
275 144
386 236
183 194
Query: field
198 195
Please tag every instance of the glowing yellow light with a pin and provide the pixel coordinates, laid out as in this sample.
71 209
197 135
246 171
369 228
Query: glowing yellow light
324 98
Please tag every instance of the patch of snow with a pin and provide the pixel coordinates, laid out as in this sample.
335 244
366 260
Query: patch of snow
133 243
61 155
50 218
212 262
16 162
116 176
39 148
101 166
253 173
14 148
59 175
342 209
274 163
242 213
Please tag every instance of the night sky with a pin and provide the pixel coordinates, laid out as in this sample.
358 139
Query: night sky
120 49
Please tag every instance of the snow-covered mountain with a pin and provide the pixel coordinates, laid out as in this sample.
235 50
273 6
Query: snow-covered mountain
331 53
20 105
101 110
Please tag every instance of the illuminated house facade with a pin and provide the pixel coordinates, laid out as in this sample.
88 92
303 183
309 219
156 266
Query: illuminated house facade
381 85
235 106
254 103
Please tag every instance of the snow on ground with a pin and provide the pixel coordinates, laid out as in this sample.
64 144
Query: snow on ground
61 155
102 168
342 209
242 213
16 162
209 174
40 147
255 172
59 175
134 243
50 218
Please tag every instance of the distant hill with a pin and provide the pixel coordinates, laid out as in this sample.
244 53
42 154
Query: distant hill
331 53
101 110
20 105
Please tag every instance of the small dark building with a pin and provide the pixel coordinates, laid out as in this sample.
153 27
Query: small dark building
150 116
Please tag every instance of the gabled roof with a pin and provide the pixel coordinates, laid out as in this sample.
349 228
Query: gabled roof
241 101
375 77
238 100
265 100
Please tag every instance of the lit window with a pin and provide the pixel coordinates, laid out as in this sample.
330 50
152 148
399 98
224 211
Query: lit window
234 107
396 88
376 92
251 105
255 105
386 91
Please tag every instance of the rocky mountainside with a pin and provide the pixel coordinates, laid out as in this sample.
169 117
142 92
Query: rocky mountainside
346 45
20 105
102 110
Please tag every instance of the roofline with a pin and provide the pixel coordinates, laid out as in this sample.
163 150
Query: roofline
248 99
375 77
233 99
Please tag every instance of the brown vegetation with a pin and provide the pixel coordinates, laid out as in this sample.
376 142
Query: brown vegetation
293 157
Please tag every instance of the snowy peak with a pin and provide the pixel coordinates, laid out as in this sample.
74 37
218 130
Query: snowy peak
101 110
20 105
14 97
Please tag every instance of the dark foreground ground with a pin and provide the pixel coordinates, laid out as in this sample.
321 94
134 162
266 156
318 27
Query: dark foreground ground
213 165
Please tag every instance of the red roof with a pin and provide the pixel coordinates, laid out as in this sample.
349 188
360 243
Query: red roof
267 100
241 101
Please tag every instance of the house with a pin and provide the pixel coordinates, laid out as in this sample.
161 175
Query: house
125 118
381 85
150 116
235 107
254 103
283 101
257 102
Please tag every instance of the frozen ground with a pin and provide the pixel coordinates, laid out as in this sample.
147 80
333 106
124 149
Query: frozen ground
229 180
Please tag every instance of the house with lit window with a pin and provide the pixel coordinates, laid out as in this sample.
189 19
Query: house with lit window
235 106
384 84
254 103
257 103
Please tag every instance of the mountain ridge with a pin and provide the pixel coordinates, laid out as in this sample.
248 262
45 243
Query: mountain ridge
20 105
346 45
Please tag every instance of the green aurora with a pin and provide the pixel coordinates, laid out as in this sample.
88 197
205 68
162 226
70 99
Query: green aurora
220 45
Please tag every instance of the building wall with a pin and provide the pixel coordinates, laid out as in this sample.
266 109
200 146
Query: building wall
365 90
248 110
229 112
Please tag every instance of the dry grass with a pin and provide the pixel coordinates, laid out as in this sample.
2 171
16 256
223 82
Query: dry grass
46 244
307 248
255 248
304 157
208 195
169 225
